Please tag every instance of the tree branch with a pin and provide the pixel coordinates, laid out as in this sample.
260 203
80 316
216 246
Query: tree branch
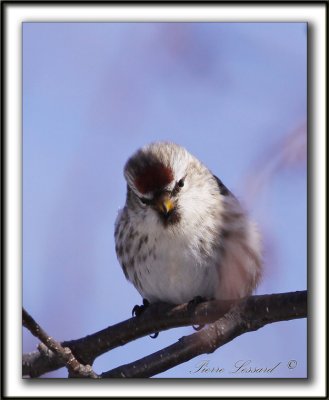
247 316
159 317
75 368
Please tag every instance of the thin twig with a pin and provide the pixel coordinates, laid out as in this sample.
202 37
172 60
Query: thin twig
75 368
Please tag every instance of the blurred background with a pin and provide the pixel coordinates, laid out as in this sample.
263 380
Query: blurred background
233 94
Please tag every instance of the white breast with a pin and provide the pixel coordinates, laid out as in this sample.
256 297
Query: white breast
173 271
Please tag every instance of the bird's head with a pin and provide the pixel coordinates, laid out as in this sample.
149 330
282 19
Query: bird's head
159 176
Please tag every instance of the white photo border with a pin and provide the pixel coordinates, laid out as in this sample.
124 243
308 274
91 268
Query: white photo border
13 15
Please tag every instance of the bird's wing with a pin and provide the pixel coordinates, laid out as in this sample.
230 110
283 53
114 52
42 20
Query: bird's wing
222 188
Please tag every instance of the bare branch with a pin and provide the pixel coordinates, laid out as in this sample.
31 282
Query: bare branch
75 368
247 316
159 317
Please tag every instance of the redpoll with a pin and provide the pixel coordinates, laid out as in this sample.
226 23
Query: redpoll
182 234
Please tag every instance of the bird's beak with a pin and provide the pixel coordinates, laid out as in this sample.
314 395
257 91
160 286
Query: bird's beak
165 205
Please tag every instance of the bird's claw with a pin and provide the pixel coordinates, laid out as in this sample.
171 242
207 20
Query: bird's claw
138 310
191 304
197 327
195 301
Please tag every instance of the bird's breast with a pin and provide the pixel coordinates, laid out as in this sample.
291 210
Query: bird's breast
170 268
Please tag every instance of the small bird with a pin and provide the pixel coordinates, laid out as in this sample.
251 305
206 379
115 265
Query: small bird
182 234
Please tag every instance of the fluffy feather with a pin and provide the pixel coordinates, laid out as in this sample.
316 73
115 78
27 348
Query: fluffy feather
212 250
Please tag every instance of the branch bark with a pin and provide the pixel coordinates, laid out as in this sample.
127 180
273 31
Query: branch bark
75 368
248 315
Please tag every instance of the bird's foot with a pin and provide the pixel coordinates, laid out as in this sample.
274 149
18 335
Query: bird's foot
195 301
138 310
197 327
191 304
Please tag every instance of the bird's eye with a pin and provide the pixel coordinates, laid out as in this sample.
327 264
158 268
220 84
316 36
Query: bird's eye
144 201
178 186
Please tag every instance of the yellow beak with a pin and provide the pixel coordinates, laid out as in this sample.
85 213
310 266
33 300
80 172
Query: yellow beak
165 205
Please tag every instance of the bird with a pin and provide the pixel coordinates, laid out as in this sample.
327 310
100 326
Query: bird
182 234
